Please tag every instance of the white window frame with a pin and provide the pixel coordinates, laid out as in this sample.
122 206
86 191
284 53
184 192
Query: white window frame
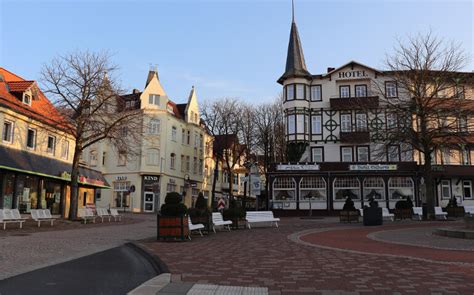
317 154
300 124
155 127
361 122
173 161
10 130
445 184
300 91
373 184
93 158
359 148
346 122
316 124
358 92
53 149
343 93
291 124
316 93
391 89
26 99
346 183
290 92
311 184
402 184
284 184
344 153
467 184
154 99
122 158
174 133
153 157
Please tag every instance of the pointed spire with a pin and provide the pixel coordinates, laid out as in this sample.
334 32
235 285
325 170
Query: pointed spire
295 63
292 11
151 73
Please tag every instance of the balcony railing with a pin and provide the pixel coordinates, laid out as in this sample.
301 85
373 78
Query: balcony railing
355 137
354 103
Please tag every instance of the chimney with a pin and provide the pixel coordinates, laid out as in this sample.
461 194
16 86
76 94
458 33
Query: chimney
331 69
135 91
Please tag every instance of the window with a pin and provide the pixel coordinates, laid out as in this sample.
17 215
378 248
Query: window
154 99
26 99
400 188
317 154
7 135
103 158
313 188
31 138
363 154
316 93
373 187
346 124
188 137
174 133
291 124
64 149
196 139
188 163
201 141
446 156
459 92
171 186
201 163
153 157
195 165
122 158
346 187
284 188
391 120
316 124
225 177
393 153
93 158
445 189
391 89
467 189
361 122
183 167
51 144
462 122
154 127
465 156
346 154
173 161
290 92
344 91
300 124
235 179
300 91
361 90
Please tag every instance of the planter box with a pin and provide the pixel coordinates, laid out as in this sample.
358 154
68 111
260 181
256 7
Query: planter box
349 216
373 216
172 228
469 221
204 220
403 213
455 211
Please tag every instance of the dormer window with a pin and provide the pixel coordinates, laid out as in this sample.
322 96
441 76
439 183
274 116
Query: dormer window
27 99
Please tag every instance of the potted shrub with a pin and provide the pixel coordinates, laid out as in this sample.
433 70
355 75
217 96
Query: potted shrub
373 213
172 220
235 213
200 213
453 209
349 213
404 208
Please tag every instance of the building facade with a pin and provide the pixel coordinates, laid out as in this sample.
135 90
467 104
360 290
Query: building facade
36 153
332 118
172 154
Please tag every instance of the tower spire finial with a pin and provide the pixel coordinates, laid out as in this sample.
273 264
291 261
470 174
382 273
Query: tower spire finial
292 11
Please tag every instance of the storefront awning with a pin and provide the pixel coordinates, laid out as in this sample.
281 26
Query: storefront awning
25 162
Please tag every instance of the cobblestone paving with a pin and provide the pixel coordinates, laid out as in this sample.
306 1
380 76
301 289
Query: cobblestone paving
266 257
29 251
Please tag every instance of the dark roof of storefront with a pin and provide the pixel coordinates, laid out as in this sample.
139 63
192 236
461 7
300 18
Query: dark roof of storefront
26 162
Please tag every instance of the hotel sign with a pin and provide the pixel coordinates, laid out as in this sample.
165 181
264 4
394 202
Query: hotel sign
353 75
297 167
373 167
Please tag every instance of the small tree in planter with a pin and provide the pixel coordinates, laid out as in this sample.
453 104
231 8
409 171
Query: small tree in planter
235 213
200 213
172 219
404 208
349 213
453 209
373 214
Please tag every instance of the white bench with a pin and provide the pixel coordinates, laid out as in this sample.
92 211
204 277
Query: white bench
439 213
469 210
261 216
418 212
11 216
114 213
103 213
40 215
86 214
217 220
192 227
387 215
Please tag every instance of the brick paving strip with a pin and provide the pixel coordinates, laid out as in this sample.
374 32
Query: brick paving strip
267 257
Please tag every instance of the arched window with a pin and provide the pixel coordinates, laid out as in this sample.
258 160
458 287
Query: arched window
153 157
374 187
173 161
346 187
154 127
313 188
400 188
284 188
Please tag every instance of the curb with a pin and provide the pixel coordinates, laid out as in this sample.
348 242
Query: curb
152 286
159 266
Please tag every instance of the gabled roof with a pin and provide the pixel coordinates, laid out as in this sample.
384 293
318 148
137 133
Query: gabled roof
295 63
176 110
20 86
352 63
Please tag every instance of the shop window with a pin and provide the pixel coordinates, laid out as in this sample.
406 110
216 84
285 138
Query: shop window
122 193
361 90
445 189
6 195
316 93
31 138
346 187
400 188
313 188
284 188
467 189
374 187
345 91
171 186
7 134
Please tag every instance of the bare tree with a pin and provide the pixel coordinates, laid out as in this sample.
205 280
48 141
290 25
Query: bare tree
427 112
83 88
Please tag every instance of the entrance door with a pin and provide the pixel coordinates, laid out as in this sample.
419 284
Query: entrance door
149 202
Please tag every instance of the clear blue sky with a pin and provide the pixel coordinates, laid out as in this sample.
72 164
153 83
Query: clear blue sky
234 48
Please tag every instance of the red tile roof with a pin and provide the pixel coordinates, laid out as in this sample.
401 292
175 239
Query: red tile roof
41 108
176 111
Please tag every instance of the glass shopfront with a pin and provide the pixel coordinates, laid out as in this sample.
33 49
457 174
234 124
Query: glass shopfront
6 196
27 196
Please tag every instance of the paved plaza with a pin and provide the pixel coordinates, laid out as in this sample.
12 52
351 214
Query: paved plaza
325 257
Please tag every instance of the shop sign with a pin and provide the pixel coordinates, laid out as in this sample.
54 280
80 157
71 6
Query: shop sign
65 175
121 178
282 167
352 74
374 167
87 180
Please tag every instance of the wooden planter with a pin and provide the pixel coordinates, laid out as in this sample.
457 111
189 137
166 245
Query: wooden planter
238 223
373 216
349 216
455 211
172 228
403 213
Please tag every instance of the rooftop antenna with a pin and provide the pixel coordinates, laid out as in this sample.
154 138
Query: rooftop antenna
292 11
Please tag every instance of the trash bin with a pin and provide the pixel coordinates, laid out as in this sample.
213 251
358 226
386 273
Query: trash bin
424 207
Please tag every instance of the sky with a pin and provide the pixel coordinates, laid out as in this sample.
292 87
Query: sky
225 48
